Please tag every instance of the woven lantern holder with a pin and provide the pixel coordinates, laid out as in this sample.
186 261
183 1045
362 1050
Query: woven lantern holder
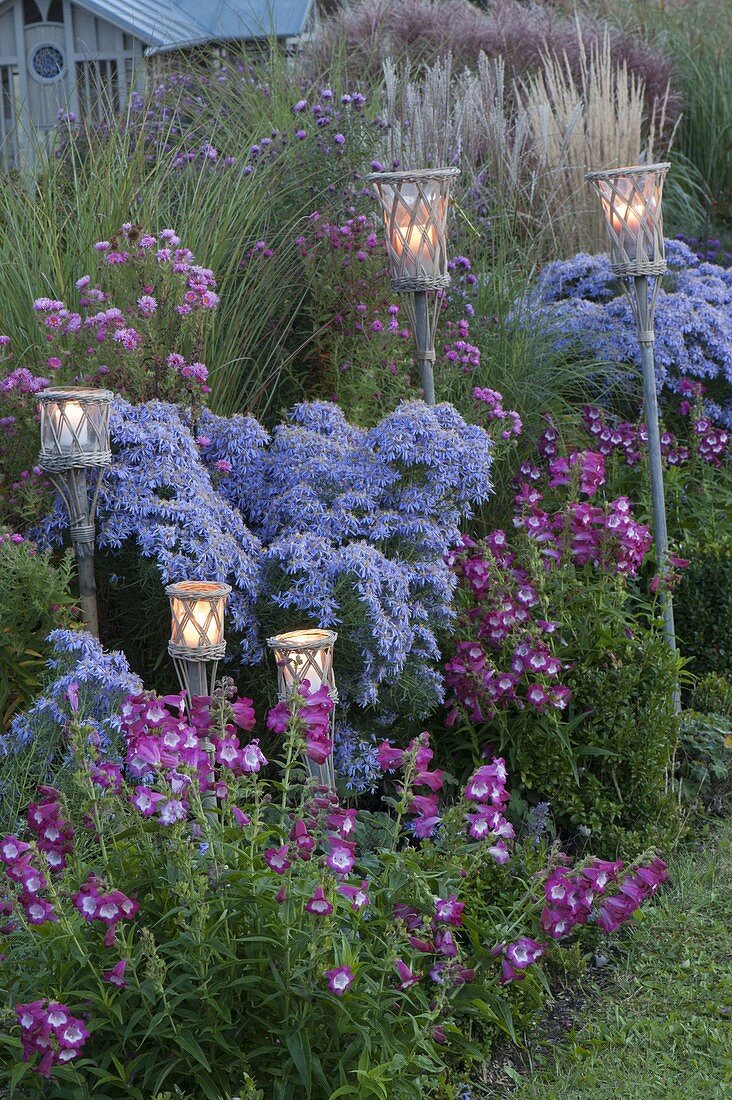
307 655
75 441
197 641
414 205
631 203
74 428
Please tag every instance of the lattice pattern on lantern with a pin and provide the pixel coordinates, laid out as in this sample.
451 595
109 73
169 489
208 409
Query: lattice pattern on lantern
197 620
74 428
631 203
414 205
304 655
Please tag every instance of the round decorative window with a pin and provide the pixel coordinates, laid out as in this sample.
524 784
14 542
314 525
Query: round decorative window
46 63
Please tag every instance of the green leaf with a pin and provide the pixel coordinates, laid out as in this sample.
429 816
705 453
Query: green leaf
189 1044
298 1045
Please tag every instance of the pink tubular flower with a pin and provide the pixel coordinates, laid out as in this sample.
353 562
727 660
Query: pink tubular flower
318 904
252 758
116 976
303 841
389 758
524 952
357 895
146 800
278 718
11 849
341 858
449 910
49 1029
445 943
172 811
243 708
340 978
276 859
240 817
406 977
343 821
37 910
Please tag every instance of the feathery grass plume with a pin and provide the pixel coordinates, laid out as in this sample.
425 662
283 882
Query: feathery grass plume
421 113
577 124
526 144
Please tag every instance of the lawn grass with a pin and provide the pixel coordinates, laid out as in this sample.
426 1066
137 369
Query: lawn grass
660 1028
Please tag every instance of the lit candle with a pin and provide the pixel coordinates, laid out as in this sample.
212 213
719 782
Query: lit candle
68 418
308 666
627 227
198 622
420 243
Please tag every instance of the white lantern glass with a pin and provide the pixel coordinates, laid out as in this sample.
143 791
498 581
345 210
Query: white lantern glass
414 206
304 655
74 428
197 619
631 204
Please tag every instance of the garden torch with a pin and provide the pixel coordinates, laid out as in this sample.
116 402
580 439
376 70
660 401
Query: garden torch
75 443
631 204
307 655
197 641
414 205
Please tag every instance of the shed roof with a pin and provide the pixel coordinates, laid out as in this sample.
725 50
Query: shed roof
178 24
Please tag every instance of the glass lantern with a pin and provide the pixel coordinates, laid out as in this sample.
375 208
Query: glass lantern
74 428
631 204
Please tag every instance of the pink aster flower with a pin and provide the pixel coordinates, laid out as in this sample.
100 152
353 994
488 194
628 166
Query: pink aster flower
339 979
147 305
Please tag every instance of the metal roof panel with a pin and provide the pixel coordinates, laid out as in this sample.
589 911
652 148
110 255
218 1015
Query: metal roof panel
175 24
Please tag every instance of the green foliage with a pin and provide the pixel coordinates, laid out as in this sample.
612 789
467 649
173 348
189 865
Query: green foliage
703 608
34 598
605 766
713 695
704 757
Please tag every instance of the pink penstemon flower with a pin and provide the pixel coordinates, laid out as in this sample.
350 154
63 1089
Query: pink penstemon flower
340 979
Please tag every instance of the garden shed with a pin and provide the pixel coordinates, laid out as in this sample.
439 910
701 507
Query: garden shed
85 56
